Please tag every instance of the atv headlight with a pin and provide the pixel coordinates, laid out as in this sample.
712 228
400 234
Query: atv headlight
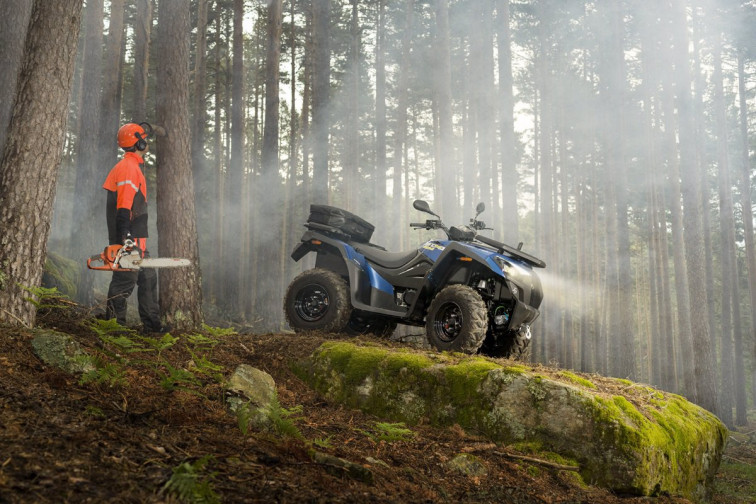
511 270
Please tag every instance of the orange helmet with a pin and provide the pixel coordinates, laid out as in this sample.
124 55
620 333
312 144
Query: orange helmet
132 135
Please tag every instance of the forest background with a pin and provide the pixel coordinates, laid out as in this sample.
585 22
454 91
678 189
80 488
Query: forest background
615 138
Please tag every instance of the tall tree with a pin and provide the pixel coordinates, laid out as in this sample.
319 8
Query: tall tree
32 153
180 288
89 174
443 95
270 187
381 165
234 223
321 84
199 103
13 24
703 359
142 32
509 177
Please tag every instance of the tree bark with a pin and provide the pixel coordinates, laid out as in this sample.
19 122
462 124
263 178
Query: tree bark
180 288
13 25
32 153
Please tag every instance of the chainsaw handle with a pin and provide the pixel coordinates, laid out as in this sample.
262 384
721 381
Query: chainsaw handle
104 267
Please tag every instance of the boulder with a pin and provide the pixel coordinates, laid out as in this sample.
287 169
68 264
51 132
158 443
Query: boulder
626 437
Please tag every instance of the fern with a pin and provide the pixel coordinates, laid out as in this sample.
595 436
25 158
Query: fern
218 332
167 341
107 327
189 484
204 367
243 417
281 419
389 432
44 297
104 372
178 379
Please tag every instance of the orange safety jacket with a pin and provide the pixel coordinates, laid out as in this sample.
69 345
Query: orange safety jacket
127 201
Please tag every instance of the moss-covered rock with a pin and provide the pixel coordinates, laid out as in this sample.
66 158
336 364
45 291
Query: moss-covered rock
661 445
62 273
60 350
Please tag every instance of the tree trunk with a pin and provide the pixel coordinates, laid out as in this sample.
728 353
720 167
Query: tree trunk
509 228
32 153
13 25
321 77
445 196
400 133
199 103
351 165
88 216
234 224
695 254
142 33
270 187
746 203
381 166
180 288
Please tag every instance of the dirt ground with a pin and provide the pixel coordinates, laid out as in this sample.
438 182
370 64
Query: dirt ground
64 441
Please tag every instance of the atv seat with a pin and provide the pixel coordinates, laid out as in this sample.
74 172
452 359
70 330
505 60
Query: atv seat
387 259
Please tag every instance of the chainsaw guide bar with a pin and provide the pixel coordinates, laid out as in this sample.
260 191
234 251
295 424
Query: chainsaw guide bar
116 258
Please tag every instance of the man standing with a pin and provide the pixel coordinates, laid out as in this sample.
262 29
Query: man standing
127 225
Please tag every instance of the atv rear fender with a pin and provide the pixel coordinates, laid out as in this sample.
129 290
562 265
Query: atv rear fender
369 291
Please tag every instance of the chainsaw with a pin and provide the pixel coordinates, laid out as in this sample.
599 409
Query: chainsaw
127 258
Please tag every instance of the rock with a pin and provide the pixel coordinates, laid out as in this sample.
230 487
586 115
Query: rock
251 393
469 465
662 444
256 386
60 350
341 467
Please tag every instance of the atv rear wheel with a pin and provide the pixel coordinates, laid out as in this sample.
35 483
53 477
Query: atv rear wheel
457 320
318 300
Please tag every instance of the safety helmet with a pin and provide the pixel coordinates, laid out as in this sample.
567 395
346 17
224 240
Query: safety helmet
132 135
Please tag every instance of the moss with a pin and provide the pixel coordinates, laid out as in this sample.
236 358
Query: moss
515 369
537 389
62 273
624 382
670 445
577 379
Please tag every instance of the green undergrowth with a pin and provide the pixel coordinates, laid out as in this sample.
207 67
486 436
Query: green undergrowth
123 349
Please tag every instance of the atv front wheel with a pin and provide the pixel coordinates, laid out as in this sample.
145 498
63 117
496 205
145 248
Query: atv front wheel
318 300
456 320
516 346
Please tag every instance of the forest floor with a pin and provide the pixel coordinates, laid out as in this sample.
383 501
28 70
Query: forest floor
139 437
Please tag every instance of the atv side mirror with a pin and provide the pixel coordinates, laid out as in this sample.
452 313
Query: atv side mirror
480 208
422 206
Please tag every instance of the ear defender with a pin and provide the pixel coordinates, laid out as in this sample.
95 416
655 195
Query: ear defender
141 143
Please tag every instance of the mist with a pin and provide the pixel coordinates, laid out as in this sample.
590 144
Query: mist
571 121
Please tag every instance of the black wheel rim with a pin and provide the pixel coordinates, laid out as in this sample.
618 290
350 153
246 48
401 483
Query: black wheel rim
311 303
448 323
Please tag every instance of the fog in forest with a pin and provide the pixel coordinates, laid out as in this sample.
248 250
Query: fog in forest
599 134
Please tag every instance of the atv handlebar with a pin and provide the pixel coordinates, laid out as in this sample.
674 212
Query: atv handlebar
429 224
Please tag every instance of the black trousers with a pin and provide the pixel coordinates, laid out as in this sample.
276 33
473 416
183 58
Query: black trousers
121 286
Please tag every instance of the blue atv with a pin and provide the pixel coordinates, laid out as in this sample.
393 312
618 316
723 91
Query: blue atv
471 292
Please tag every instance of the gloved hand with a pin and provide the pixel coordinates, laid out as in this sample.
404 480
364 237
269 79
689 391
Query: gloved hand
128 242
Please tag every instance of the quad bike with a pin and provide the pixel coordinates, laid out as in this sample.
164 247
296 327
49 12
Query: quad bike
471 292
